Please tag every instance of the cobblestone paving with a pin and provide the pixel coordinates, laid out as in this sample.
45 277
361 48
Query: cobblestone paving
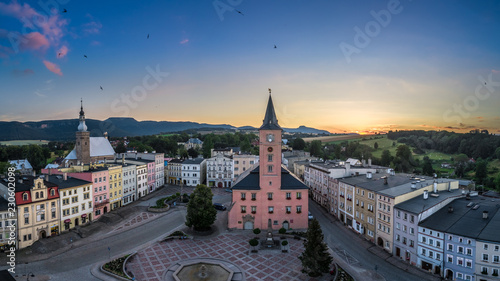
152 262
139 219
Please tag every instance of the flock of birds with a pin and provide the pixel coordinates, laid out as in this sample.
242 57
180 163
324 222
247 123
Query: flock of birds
147 37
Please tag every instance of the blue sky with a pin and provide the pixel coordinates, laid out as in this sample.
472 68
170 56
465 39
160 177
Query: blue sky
419 69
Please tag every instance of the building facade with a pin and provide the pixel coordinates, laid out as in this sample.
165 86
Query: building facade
193 171
243 162
174 171
269 196
129 183
220 171
142 179
115 187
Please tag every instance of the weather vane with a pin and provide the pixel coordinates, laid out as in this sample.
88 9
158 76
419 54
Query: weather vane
269 90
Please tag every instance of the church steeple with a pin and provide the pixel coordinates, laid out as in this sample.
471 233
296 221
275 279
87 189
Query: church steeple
270 121
82 127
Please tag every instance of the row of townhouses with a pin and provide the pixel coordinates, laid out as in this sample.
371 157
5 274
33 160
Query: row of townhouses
428 222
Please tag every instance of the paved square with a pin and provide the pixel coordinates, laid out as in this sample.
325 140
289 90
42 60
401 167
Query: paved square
233 247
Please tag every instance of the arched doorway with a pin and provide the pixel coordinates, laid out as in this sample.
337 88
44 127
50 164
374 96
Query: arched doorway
105 209
380 242
248 225
286 225
449 274
219 184
42 234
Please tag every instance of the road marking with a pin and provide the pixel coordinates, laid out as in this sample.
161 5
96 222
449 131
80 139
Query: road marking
345 255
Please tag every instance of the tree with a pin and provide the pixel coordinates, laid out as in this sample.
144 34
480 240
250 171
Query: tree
315 259
120 148
497 182
375 145
192 152
245 145
497 153
386 158
481 170
315 148
298 144
201 213
427 167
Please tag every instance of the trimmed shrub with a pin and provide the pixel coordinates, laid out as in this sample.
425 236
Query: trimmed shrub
284 243
254 242
282 231
256 231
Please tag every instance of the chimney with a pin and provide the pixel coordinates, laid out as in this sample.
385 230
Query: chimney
426 194
136 156
385 180
348 168
450 209
364 162
413 185
123 159
435 187
106 135
485 214
369 162
65 176
368 175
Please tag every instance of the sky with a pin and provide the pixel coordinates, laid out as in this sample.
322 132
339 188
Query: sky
342 66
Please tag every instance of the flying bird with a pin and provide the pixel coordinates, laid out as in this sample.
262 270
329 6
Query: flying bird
148 36
65 11
239 12
275 46
59 54
101 88
85 56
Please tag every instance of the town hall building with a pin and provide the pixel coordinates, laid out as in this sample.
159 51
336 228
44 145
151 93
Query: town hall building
269 196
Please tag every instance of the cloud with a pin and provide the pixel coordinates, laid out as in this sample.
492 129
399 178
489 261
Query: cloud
184 41
95 43
34 41
92 27
37 92
15 10
63 51
495 71
5 52
52 67
20 73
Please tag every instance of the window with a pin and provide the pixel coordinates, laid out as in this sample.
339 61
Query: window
484 270
485 257
450 247
269 196
398 226
270 158
460 250
254 196
460 261
254 209
468 263
496 259
412 243
299 209
288 195
269 168
412 231
25 196
299 195
485 246
469 251
288 209
243 196
243 209
449 258
270 209
497 248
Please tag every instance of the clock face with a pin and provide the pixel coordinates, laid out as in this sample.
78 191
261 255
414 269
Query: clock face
270 137
270 149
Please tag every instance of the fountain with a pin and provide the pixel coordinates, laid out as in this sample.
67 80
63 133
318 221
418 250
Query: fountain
203 271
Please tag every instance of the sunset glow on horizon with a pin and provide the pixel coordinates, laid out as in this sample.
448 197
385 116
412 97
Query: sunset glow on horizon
344 67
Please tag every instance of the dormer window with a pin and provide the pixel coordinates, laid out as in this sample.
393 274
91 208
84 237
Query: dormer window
52 192
25 197
37 195
39 185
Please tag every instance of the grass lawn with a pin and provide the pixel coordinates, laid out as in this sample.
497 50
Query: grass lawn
24 142
383 144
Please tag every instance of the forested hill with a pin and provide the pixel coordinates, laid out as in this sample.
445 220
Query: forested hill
476 144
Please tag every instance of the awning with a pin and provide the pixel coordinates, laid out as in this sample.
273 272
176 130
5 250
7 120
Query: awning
67 221
84 215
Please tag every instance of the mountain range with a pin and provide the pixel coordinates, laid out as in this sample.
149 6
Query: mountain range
115 126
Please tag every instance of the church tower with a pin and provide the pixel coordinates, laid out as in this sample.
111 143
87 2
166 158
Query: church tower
270 150
82 146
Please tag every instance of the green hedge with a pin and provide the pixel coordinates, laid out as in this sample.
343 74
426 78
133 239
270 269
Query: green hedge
116 266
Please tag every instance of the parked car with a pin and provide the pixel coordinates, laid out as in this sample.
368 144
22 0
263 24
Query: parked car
310 216
229 190
219 206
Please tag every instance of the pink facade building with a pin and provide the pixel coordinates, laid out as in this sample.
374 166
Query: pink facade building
269 196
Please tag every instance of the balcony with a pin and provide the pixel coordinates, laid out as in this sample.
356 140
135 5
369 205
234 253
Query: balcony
101 203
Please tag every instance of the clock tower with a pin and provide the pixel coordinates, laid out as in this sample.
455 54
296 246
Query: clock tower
270 150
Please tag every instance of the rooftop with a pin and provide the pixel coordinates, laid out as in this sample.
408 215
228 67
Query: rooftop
252 181
193 161
418 204
467 220
69 183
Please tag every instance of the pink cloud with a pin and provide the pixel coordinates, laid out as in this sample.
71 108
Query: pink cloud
495 71
5 52
63 51
15 10
20 73
184 41
92 27
34 41
52 67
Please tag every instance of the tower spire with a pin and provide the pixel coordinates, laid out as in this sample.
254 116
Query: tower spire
82 127
270 121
